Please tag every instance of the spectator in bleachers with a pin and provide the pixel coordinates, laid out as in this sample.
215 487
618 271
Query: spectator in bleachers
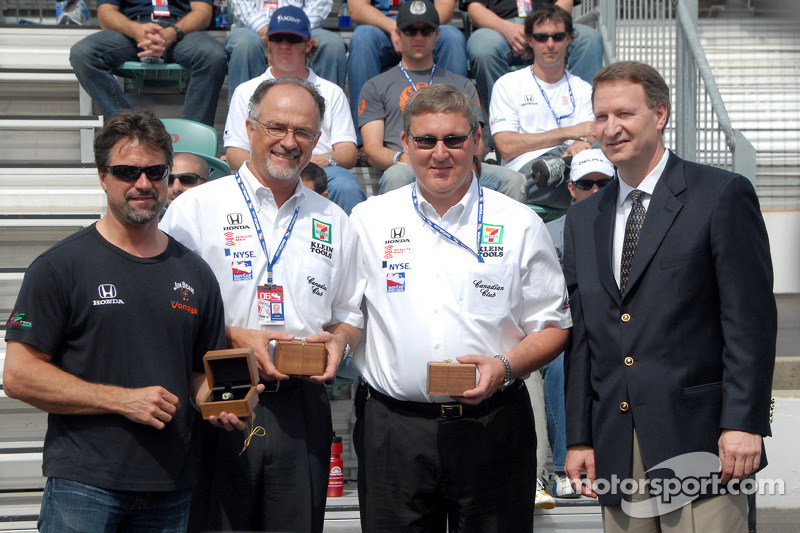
500 41
188 170
108 335
315 179
246 47
543 114
374 45
140 29
384 97
289 48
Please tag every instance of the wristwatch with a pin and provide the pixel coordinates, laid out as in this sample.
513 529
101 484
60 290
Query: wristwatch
508 380
584 139
331 160
179 35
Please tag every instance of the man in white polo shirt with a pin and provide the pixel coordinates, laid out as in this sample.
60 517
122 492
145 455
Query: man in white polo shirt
543 113
270 240
461 273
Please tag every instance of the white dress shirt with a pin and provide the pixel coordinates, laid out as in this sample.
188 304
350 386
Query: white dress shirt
429 299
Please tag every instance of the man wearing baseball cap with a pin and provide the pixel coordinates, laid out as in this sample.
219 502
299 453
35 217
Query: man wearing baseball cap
590 171
383 98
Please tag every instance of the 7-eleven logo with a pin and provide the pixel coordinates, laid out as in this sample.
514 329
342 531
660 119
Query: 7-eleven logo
322 231
492 234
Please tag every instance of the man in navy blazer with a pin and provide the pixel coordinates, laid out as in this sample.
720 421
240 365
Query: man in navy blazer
678 365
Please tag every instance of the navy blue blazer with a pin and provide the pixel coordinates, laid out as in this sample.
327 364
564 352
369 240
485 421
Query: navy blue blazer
690 349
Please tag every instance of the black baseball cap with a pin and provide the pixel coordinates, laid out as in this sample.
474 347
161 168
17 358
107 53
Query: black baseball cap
417 11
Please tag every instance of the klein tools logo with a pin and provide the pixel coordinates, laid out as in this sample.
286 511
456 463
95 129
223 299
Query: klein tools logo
492 234
321 231
18 319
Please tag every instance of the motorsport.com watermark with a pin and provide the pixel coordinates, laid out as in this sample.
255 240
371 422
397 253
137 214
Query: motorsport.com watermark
695 474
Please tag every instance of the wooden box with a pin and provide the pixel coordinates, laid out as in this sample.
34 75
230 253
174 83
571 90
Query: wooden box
300 358
231 373
451 379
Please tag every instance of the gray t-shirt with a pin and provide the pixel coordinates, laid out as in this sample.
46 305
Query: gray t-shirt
384 97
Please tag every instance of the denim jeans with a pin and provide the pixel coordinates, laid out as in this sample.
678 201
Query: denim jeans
553 375
343 188
73 507
247 59
93 57
490 56
371 52
500 179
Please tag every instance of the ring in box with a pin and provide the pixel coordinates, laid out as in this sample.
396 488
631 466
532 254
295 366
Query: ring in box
232 376
450 379
300 358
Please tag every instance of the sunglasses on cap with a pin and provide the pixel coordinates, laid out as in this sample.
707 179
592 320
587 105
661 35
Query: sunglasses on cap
586 184
288 37
187 178
428 142
411 31
543 37
132 173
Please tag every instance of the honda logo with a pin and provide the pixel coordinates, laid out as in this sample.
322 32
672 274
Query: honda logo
234 219
398 233
107 290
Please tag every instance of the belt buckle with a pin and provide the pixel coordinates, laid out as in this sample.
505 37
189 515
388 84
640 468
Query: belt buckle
452 410
272 386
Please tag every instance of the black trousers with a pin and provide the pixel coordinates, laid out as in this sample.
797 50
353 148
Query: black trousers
280 482
422 474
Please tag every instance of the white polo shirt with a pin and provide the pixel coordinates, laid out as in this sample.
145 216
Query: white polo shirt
318 267
337 124
428 299
518 106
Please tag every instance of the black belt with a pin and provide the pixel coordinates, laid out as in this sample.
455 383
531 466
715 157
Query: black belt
282 385
448 411
158 20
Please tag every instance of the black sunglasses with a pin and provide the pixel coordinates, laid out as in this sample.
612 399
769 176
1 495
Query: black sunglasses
132 173
187 178
586 184
543 37
412 31
428 142
288 37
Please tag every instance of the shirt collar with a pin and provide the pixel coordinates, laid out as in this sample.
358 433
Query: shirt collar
648 184
263 195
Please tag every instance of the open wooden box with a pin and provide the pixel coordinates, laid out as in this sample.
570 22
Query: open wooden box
230 372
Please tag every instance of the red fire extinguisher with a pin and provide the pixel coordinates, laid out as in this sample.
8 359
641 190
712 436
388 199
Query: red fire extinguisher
336 478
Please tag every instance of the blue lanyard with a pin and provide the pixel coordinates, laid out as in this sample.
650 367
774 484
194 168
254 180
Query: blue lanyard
411 82
260 233
447 234
547 100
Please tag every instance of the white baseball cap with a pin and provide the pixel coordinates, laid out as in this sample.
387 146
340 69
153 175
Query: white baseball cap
588 161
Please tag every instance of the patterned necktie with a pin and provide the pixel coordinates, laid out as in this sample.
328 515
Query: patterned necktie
632 228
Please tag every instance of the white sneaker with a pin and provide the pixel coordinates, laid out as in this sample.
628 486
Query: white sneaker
543 500
562 488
